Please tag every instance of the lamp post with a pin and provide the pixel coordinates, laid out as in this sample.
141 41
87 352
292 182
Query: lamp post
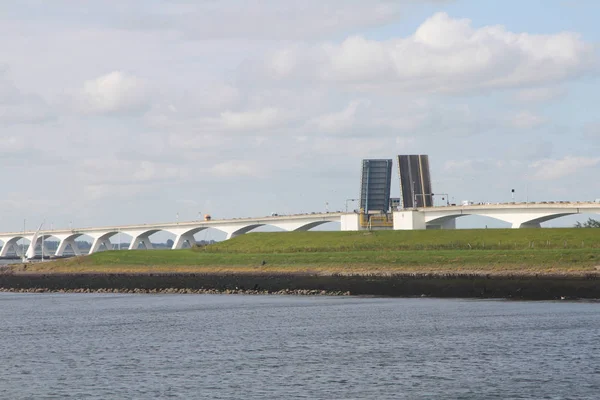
23 241
43 242
347 200
442 194
416 198
412 188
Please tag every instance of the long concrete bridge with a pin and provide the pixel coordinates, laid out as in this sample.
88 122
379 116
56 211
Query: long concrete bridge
140 234
519 215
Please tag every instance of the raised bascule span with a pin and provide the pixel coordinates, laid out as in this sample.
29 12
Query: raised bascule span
519 215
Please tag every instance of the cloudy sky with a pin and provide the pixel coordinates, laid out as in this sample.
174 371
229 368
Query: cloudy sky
141 110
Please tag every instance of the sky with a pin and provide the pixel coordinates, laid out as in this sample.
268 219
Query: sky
143 111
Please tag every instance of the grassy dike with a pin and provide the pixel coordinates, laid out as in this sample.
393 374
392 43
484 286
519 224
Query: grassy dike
499 263
489 251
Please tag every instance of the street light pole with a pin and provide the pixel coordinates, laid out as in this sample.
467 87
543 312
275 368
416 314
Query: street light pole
23 241
441 194
347 200
43 242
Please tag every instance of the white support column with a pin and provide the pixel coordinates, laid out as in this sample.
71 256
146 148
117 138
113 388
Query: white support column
518 225
107 244
145 239
66 241
8 244
75 247
100 238
98 242
95 245
19 251
60 250
237 230
183 238
39 242
409 220
45 252
11 244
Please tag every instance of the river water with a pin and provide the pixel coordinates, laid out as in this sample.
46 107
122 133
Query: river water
102 346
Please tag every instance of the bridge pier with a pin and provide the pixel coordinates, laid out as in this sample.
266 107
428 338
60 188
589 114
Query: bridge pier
63 246
526 225
98 242
145 240
409 220
181 239
11 244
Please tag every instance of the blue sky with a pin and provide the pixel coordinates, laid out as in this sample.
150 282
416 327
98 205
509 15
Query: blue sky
138 111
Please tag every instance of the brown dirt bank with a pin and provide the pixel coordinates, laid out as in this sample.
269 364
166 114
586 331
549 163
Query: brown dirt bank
542 287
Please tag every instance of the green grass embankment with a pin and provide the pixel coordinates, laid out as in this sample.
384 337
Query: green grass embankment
490 251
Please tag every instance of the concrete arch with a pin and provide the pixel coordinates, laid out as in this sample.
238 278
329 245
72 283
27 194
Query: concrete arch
535 223
66 241
102 239
184 235
141 237
529 220
310 225
446 222
12 244
286 226
525 220
240 231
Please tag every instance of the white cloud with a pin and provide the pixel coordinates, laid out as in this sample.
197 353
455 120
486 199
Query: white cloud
592 130
236 168
527 120
264 118
469 165
114 92
25 113
355 148
539 95
99 191
214 93
12 144
447 55
338 121
263 19
18 107
550 169
109 171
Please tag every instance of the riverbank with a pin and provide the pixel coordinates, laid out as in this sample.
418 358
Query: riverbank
505 263
544 287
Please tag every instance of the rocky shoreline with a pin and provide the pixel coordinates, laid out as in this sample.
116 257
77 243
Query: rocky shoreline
396 285
297 292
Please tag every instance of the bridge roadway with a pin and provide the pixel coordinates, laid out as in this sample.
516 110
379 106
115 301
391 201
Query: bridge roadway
519 215
184 232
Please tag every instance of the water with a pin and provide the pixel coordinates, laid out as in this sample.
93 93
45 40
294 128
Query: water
276 347
8 262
